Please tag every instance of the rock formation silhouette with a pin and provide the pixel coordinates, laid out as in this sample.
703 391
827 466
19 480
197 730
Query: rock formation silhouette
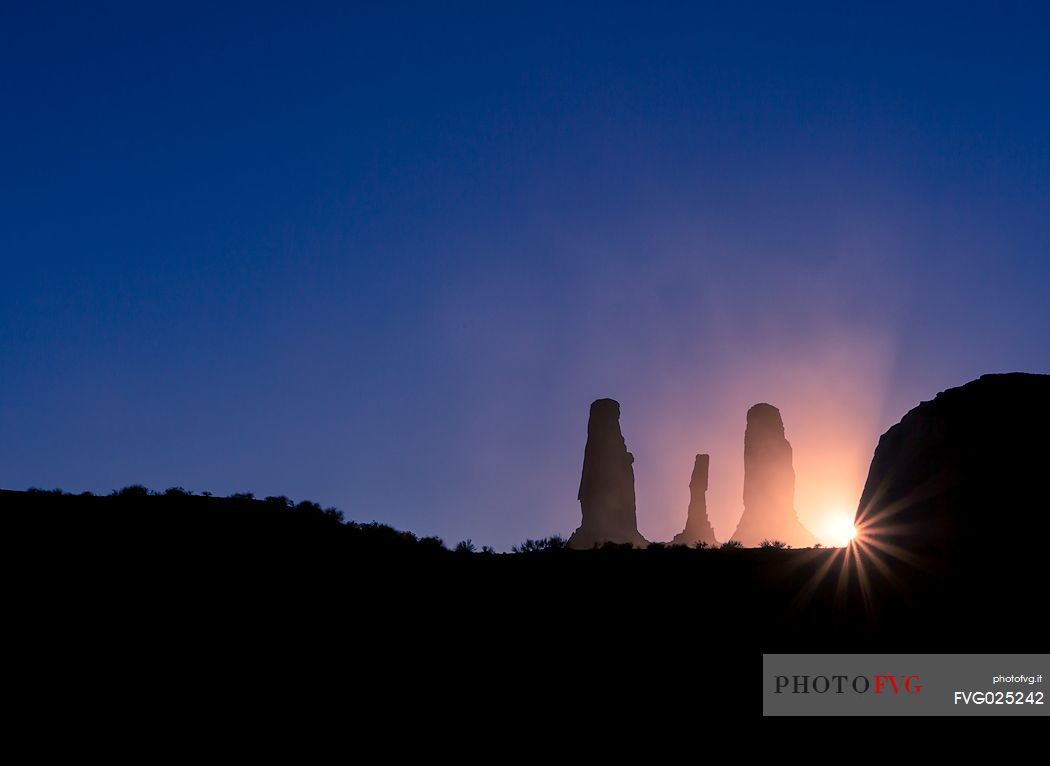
607 485
769 483
697 526
958 476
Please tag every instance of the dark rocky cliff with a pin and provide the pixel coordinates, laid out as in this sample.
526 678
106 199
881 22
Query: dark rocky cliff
959 486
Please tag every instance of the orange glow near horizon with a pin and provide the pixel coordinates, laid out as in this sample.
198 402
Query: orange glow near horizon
830 391
837 529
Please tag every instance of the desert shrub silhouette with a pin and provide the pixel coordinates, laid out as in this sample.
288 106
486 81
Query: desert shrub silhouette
133 490
776 544
730 545
552 543
38 491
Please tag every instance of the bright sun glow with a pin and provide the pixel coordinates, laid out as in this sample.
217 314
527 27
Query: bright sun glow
838 528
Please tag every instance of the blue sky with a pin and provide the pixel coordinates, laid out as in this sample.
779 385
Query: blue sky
383 256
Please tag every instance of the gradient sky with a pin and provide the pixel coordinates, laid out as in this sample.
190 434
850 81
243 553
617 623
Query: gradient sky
383 256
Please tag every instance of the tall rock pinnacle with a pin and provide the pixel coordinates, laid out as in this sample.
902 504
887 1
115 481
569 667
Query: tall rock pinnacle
769 483
607 485
697 525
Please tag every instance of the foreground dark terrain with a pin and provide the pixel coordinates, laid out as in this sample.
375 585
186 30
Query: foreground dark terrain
259 605
240 603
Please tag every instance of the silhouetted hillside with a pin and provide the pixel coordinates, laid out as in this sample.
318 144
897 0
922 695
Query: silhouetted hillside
136 518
